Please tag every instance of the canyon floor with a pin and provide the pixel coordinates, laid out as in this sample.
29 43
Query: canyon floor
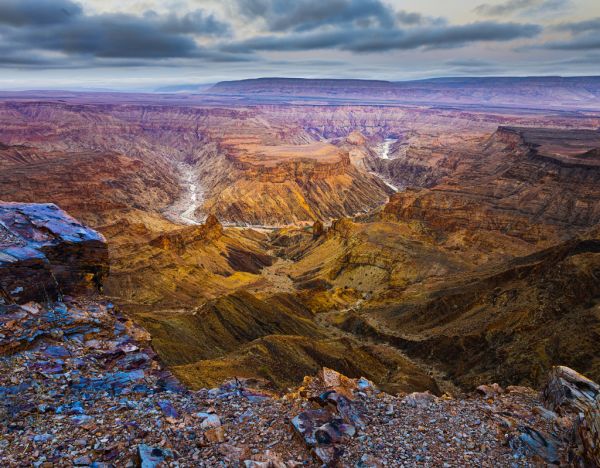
422 248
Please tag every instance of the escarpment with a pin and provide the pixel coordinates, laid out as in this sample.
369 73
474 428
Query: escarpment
516 189
97 187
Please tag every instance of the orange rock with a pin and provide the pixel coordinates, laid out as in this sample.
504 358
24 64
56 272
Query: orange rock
215 435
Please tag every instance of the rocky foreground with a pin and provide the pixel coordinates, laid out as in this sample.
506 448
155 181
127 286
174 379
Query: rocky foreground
80 385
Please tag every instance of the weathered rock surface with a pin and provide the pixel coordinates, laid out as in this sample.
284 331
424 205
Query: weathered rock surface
570 394
45 253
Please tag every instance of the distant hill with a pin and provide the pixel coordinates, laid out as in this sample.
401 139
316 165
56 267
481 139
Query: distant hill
183 88
536 92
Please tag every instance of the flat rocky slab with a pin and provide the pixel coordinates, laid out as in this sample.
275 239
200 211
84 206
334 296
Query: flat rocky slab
45 253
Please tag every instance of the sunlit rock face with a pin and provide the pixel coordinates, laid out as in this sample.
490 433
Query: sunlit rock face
533 184
95 186
45 253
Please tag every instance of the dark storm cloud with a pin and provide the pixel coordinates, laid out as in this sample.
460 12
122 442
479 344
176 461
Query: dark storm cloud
113 36
586 42
37 12
384 39
62 34
360 26
448 36
60 27
527 7
305 15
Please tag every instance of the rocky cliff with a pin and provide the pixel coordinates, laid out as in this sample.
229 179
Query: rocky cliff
98 187
504 322
45 253
513 189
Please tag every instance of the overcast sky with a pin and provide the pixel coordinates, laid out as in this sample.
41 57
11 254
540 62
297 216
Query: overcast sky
144 44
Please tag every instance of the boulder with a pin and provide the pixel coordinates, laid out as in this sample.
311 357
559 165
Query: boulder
152 457
45 253
318 229
215 435
324 433
268 460
567 390
419 399
490 391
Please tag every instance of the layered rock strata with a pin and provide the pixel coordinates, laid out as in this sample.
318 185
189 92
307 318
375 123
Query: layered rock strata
45 253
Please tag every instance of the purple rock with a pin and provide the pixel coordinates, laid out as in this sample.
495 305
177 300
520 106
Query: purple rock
167 409
56 351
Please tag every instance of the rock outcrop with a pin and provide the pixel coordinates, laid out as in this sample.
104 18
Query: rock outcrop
298 185
573 395
45 253
179 240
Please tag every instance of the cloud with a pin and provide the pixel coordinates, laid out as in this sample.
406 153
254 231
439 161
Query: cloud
468 63
522 7
64 34
587 42
453 36
384 39
468 66
585 35
410 18
360 26
38 12
58 32
305 15
193 22
579 27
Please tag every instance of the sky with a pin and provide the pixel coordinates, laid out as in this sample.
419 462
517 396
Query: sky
145 45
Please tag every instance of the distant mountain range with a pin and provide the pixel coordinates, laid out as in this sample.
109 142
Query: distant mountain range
535 92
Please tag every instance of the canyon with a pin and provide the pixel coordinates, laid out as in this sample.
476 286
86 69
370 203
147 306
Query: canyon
424 240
